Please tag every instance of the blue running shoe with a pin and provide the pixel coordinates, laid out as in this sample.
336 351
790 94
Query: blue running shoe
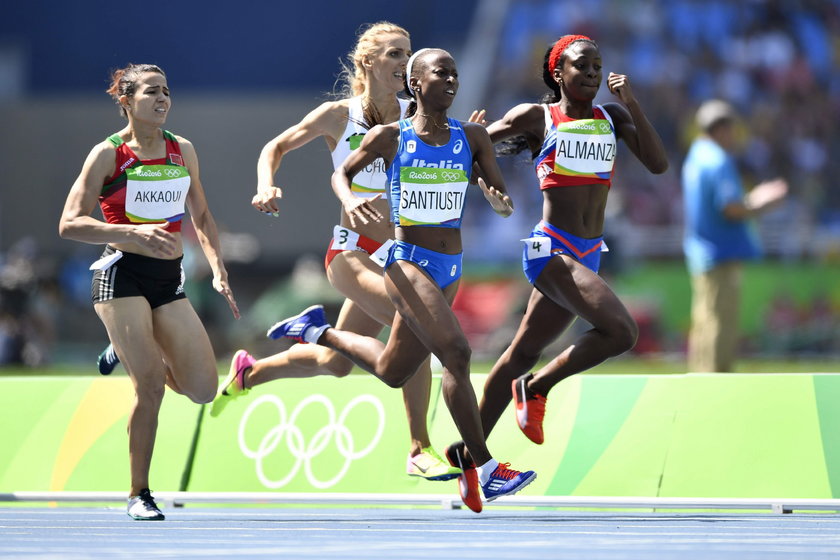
504 481
107 360
296 327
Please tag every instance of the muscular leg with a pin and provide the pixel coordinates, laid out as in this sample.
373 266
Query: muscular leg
186 348
425 322
310 360
129 325
366 310
361 280
574 287
542 323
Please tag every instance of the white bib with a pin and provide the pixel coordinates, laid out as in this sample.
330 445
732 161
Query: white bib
155 192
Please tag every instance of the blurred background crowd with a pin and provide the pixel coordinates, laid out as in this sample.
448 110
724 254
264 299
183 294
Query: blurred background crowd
241 76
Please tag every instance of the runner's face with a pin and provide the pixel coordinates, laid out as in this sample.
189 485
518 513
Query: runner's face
150 102
439 81
388 65
581 72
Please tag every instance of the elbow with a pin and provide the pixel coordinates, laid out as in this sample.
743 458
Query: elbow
659 166
64 229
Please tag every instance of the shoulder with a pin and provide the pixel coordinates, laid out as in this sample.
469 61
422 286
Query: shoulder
331 111
185 145
102 154
474 130
188 151
105 148
384 132
617 112
524 115
525 118
525 110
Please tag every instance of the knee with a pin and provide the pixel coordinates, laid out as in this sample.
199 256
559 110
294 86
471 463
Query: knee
202 395
522 357
457 357
396 380
149 392
625 335
200 389
338 366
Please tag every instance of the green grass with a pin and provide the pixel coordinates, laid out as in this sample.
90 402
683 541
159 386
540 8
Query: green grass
619 366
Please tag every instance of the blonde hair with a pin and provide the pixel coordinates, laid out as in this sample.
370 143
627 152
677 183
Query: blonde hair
368 43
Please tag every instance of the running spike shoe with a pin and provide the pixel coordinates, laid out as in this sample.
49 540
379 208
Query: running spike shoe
431 466
143 507
296 327
530 409
107 360
504 480
468 480
234 384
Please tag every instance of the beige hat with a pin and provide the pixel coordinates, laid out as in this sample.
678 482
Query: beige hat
713 111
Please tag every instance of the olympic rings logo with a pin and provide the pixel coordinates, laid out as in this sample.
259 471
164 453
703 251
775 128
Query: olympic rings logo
449 175
304 453
172 172
605 127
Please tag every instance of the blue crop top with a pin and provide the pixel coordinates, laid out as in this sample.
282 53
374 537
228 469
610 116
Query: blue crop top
428 184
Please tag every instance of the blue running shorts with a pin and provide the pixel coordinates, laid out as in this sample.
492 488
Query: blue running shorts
547 241
443 268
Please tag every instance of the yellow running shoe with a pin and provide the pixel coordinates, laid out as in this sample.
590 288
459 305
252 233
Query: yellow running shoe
429 465
234 383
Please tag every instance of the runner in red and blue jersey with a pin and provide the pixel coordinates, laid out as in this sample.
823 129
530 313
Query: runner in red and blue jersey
573 144
143 179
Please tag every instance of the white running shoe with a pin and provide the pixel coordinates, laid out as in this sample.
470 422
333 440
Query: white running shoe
143 507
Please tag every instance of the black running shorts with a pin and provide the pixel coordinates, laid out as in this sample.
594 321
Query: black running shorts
160 281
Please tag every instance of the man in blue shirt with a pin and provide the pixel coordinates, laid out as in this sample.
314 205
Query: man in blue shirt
718 237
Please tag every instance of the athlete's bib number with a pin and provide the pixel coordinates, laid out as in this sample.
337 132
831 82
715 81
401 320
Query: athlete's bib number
537 247
344 239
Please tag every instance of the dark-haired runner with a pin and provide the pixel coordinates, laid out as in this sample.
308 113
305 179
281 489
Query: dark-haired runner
430 159
573 145
143 177
356 253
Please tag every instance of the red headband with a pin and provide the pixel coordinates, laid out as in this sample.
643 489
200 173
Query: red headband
560 47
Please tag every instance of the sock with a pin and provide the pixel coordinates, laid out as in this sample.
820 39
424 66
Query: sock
485 470
312 334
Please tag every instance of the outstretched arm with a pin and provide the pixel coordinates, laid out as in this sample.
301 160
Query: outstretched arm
380 142
327 120
205 227
491 181
633 126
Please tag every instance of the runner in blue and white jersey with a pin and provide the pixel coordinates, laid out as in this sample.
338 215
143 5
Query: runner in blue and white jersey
430 158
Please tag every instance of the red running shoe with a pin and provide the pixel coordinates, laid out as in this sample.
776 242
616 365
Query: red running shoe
530 409
468 481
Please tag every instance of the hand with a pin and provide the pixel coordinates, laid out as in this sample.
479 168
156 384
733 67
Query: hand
156 238
501 203
766 194
266 199
358 208
619 85
478 117
221 285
